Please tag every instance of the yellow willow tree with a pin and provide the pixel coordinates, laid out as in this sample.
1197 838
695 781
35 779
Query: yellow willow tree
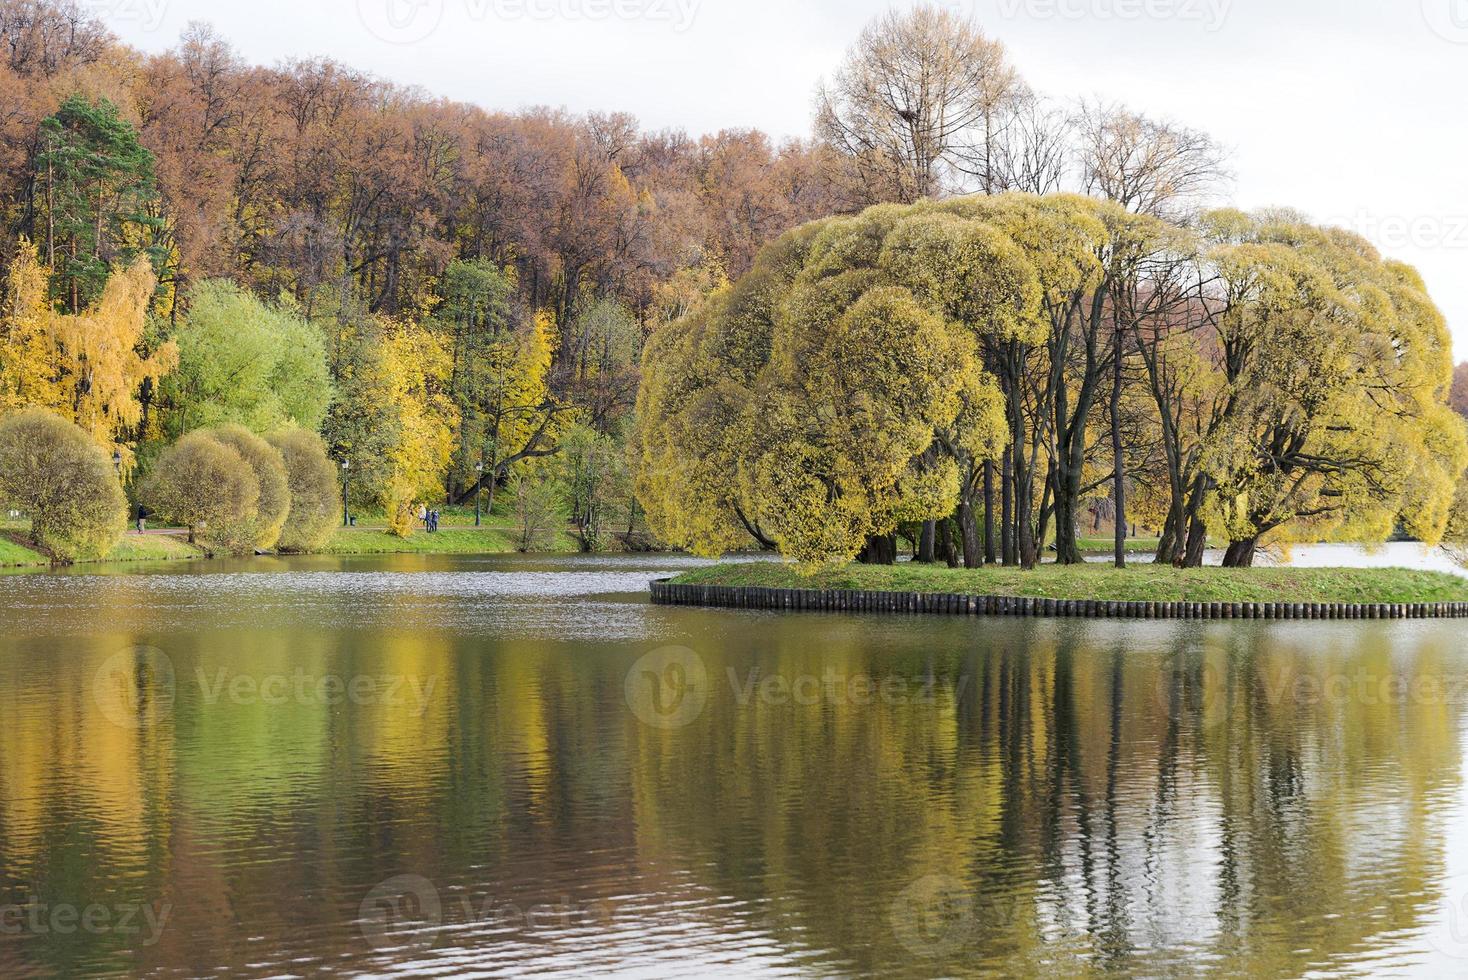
979 279
1336 370
27 370
522 419
693 405
91 368
806 405
416 369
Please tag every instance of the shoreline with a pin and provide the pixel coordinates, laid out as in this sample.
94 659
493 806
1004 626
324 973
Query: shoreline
1086 591
667 593
170 547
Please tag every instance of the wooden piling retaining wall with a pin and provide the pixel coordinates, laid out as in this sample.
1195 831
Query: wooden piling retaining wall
664 593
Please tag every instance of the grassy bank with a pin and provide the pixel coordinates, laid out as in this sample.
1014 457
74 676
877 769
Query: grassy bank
357 541
450 541
1141 583
15 555
132 547
154 547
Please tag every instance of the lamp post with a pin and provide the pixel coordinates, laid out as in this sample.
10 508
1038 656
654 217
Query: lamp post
478 489
346 507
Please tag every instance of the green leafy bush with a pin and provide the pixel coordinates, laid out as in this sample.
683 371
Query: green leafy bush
263 530
209 487
315 500
65 483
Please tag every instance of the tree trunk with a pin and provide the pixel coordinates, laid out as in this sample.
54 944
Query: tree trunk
968 527
881 550
1197 530
1006 517
1067 548
1197 544
1025 543
1119 488
1167 551
1241 553
952 545
990 553
928 543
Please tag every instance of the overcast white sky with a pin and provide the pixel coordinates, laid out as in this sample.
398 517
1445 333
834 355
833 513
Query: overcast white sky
1351 110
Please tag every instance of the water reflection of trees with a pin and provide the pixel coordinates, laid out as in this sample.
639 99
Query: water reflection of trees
1114 799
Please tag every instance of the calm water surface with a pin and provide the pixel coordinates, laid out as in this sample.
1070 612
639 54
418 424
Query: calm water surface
509 767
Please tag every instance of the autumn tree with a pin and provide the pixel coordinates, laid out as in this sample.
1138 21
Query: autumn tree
417 369
263 527
27 354
535 509
311 481
206 486
592 470
499 375
1337 368
1459 396
915 102
96 195
242 360
393 419
53 472
804 405
1145 165
517 418
99 368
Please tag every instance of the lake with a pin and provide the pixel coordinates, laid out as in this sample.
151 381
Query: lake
517 766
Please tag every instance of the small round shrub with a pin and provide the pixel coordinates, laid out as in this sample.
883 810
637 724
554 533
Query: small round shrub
275 496
52 471
316 499
208 487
